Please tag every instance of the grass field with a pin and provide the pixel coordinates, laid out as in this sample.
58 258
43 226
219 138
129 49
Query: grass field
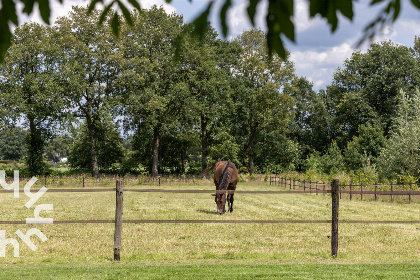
213 251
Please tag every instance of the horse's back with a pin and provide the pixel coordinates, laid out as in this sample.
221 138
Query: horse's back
233 177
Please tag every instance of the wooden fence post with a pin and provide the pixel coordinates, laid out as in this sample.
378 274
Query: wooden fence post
350 191
118 219
392 191
334 221
376 190
409 195
361 191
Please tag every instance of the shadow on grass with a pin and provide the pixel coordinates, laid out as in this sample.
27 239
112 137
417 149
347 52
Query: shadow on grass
205 211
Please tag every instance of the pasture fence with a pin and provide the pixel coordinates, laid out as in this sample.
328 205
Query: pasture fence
409 190
86 180
335 189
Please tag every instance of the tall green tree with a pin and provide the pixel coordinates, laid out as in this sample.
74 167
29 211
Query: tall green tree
29 85
59 147
90 68
158 96
364 149
365 89
12 143
261 104
310 127
207 65
109 146
401 152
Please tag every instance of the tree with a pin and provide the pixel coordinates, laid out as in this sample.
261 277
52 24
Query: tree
365 148
207 67
90 68
365 90
109 146
12 143
260 104
158 96
58 147
279 17
310 127
401 152
28 82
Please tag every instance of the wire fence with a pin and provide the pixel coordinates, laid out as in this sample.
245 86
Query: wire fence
334 189
409 190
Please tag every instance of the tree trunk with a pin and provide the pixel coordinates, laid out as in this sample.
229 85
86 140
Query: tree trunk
93 153
155 152
204 148
35 144
251 151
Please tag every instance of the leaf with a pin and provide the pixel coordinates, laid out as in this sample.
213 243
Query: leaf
201 22
346 8
252 8
223 13
279 22
397 8
44 9
5 36
115 24
10 11
92 5
375 2
104 13
416 3
126 13
29 6
135 4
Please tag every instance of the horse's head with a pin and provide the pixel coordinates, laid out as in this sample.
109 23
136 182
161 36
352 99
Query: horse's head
220 199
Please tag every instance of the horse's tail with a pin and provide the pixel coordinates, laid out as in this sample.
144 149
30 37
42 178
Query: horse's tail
209 167
224 178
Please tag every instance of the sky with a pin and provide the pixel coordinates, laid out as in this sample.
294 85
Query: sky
317 53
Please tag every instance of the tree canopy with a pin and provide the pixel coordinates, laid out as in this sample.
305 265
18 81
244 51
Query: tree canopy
126 105
279 20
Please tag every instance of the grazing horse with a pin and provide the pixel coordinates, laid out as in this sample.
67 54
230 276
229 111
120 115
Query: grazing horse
225 178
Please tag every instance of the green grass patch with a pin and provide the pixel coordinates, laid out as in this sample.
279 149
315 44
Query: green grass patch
210 251
223 270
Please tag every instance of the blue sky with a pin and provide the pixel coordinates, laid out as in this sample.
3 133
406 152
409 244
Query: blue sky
317 53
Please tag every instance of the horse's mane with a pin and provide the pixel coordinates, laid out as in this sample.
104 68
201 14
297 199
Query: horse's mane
224 178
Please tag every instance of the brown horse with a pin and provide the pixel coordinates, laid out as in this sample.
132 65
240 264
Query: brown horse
225 178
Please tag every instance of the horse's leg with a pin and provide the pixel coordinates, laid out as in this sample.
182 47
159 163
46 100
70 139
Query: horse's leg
224 209
230 203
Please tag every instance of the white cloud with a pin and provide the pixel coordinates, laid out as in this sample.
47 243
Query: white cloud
302 19
318 67
62 9
238 20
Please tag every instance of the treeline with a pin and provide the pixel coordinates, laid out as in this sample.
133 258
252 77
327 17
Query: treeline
158 100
